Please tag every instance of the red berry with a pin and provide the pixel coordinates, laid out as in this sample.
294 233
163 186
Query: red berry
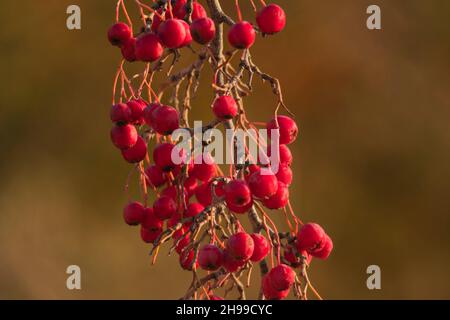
324 253
310 238
182 243
165 120
128 50
190 184
172 33
262 185
242 35
271 19
230 263
287 129
148 236
164 208
271 293
119 33
197 10
193 209
188 38
155 176
281 277
206 169
203 30
172 192
240 209
137 152
237 193
203 194
151 222
280 199
120 113
250 170
284 155
148 113
214 297
225 107
186 260
210 257
284 174
241 246
137 107
261 247
133 213
124 137
172 222
293 260
162 156
148 47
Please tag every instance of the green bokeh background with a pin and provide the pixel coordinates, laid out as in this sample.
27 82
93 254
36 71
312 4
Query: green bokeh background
371 164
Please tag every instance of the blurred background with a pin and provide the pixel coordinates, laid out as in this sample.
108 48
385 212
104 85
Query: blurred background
372 164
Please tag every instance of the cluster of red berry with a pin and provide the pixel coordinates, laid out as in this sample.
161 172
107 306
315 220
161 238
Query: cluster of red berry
175 214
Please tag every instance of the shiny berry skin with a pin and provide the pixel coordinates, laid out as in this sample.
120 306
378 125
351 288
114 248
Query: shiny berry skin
187 258
137 152
120 113
165 120
295 261
148 47
225 107
284 154
210 257
206 170
281 277
148 236
203 30
310 238
188 38
162 156
271 19
133 213
325 252
284 174
250 170
151 222
193 209
182 243
180 232
164 208
280 199
128 50
237 193
172 33
190 184
137 107
214 297
240 209
198 11
155 176
242 35
119 33
203 194
261 247
240 246
270 293
124 137
230 263
288 129
148 113
262 185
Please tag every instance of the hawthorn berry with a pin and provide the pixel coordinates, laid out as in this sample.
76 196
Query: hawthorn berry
148 47
295 261
119 33
193 209
284 174
148 113
288 129
261 247
210 257
133 213
214 297
172 192
137 107
172 222
249 170
271 19
237 194
164 208
124 137
240 209
172 33
270 293
284 154
310 238
205 170
281 277
151 222
120 113
240 246
204 195
155 176
198 11
242 35
203 30
280 199
182 243
188 38
137 152
262 185
165 120
162 156
128 50
325 252
225 107
190 184
230 263
187 260
148 236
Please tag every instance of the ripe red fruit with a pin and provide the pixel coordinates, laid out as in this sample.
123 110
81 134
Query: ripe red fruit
230 263
225 107
155 176
206 170
210 257
119 33
280 199
193 209
151 222
190 184
162 156
241 246
288 129
261 247
128 50
295 261
120 113
124 137
133 213
137 152
187 260
284 155
203 30
164 208
172 33
197 10
263 185
214 297
284 174
240 209
310 238
250 170
148 236
137 107
271 19
203 193
324 253
281 277
180 232
242 35
271 293
182 243
148 47
165 120
148 113
237 194
188 38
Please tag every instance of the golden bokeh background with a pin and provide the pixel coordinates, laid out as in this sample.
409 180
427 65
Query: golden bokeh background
372 164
